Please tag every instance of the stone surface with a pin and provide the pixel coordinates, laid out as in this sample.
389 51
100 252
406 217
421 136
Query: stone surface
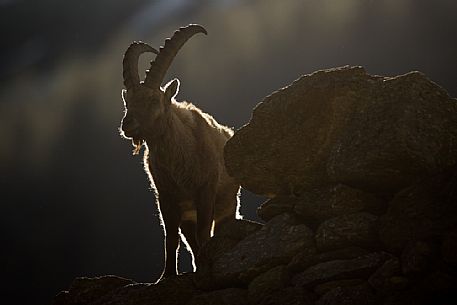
276 206
204 278
227 296
449 247
303 259
237 229
85 290
425 210
327 202
262 287
439 282
224 239
361 267
321 203
343 125
322 289
163 293
309 257
274 244
388 277
436 288
406 129
411 296
358 229
290 296
417 257
351 295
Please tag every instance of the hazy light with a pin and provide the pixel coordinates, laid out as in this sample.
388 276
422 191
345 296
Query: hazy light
155 13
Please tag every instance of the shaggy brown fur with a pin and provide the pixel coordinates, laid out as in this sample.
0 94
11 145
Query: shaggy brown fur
183 159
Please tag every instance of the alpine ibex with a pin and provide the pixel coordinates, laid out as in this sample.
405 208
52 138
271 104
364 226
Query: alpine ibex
184 150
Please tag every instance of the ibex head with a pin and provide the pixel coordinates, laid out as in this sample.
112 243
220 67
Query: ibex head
146 102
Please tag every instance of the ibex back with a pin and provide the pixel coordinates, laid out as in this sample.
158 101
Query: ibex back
184 150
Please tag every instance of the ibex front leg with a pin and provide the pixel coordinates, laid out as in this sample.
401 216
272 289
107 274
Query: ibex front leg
171 220
206 199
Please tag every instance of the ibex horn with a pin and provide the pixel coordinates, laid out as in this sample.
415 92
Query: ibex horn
159 66
130 63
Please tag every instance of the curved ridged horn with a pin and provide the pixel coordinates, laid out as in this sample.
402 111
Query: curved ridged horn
159 66
130 63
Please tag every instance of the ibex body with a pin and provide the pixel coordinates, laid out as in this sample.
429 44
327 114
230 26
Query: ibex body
184 150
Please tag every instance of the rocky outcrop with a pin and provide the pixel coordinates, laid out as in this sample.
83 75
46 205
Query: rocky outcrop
362 176
370 132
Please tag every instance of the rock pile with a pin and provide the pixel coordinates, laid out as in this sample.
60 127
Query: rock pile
362 175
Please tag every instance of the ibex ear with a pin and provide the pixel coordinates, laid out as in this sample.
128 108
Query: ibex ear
171 89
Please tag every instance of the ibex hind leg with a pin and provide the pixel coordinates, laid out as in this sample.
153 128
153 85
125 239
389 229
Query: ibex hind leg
226 208
205 203
188 229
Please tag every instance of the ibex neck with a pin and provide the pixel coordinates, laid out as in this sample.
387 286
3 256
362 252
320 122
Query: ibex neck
172 132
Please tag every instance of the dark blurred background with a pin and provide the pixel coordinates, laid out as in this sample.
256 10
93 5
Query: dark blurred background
74 202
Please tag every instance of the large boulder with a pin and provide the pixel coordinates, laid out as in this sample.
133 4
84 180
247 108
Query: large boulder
345 126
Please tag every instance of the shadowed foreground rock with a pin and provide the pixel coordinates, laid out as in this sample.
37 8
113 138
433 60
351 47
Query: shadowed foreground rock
359 267
91 290
424 210
358 229
321 203
362 174
274 244
101 290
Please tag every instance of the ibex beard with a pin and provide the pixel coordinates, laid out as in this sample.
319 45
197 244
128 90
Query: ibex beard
184 151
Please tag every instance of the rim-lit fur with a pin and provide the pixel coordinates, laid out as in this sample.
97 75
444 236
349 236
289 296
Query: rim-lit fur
183 157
